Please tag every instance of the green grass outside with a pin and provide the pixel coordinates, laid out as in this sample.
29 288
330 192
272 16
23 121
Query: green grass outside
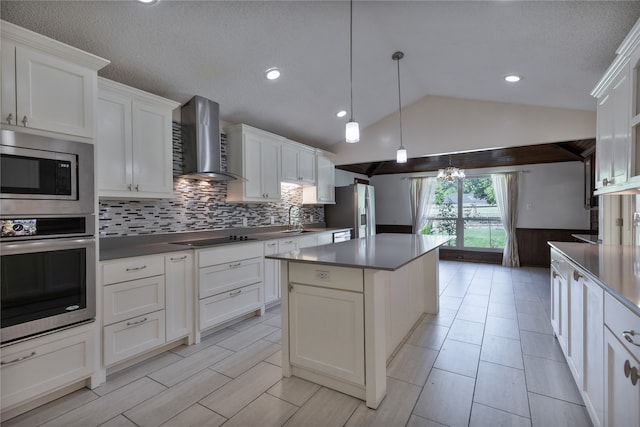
483 238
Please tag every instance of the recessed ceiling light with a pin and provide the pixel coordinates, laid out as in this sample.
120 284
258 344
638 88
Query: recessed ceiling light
512 78
148 1
272 73
341 113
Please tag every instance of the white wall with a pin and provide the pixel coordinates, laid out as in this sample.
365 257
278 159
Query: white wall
438 125
550 196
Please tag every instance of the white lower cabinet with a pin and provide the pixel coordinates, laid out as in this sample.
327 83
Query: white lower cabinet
592 344
271 273
621 365
327 331
39 366
179 309
133 336
146 302
230 283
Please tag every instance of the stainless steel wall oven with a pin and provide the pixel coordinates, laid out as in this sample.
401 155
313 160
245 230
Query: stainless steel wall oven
47 239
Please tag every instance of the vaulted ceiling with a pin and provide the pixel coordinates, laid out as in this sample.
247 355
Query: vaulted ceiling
461 49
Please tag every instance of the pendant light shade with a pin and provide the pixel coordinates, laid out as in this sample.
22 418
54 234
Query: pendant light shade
401 154
352 133
352 130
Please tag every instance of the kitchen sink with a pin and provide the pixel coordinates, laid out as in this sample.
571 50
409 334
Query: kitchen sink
295 231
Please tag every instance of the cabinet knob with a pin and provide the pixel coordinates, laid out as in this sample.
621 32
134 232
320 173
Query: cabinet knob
631 372
137 187
24 120
576 275
555 274
9 118
130 187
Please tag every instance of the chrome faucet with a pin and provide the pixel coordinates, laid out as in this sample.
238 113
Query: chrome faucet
297 223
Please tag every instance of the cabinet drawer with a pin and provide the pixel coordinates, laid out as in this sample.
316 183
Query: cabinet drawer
326 276
222 307
229 253
47 363
134 298
619 319
131 269
133 336
559 263
225 277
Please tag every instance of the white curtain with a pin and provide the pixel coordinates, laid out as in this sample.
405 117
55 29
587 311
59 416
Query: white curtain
505 187
421 191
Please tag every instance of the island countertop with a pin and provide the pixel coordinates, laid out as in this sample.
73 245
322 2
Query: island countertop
379 252
615 267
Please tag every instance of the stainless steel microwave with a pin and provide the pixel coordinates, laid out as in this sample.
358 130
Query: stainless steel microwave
45 176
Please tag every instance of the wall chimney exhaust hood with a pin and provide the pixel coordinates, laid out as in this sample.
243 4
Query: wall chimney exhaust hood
201 146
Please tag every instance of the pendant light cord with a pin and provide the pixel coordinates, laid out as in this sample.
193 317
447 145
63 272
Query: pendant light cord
351 58
398 56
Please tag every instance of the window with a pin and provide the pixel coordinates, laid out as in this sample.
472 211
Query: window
468 210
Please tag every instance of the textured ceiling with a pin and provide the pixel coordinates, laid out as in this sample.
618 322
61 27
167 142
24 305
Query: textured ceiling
220 49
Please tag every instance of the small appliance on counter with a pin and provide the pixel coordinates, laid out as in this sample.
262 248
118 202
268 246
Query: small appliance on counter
355 208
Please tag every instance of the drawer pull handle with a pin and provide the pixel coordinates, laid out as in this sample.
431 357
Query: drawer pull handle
577 275
237 264
137 268
235 293
144 319
631 373
19 359
271 244
628 336
179 258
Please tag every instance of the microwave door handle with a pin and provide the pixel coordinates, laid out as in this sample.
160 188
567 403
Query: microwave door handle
45 245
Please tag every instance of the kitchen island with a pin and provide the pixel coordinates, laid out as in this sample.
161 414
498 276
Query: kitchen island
348 306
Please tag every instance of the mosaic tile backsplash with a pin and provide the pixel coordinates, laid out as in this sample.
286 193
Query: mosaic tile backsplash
197 205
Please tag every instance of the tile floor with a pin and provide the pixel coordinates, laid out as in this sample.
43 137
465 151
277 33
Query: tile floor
488 358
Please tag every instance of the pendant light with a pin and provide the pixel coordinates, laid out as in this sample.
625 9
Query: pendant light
352 130
401 154
450 173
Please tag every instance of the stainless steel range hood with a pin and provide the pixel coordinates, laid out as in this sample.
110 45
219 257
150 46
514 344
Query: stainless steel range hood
201 146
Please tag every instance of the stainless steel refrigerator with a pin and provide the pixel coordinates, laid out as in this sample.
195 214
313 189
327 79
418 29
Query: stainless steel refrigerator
355 208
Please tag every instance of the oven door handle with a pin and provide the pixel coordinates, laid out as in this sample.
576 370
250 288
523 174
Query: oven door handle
45 245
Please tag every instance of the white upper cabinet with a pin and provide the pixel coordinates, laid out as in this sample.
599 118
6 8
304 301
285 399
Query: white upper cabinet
255 155
47 85
298 164
323 192
618 120
134 142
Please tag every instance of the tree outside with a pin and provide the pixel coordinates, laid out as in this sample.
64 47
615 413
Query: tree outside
477 216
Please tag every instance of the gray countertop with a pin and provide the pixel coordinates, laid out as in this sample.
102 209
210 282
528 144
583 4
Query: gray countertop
150 244
587 238
615 267
379 252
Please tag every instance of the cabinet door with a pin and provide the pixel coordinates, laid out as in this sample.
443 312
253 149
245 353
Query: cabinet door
621 395
270 168
327 331
8 80
179 300
132 337
290 163
593 343
53 94
252 168
604 140
307 166
556 296
326 181
152 149
271 273
621 143
576 315
114 143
